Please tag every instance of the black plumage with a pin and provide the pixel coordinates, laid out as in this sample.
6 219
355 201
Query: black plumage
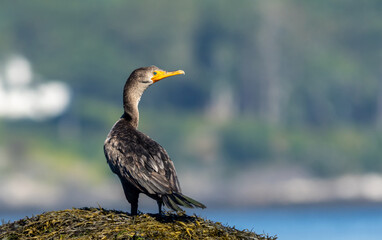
142 165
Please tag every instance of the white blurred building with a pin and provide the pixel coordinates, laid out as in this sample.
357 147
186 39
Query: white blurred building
21 97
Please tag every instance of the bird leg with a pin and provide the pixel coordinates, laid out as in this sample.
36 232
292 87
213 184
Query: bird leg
132 196
134 208
159 202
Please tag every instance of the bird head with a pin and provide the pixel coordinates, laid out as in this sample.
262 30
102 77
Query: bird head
141 78
146 76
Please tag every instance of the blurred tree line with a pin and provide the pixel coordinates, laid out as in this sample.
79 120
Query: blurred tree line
296 81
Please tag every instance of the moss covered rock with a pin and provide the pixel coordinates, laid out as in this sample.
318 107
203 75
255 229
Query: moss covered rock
98 223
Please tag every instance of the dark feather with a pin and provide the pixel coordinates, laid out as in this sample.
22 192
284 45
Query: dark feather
130 155
169 202
142 165
192 201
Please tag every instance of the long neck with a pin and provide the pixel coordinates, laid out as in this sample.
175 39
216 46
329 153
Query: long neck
132 116
130 105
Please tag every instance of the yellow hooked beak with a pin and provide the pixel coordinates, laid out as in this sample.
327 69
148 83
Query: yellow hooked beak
160 74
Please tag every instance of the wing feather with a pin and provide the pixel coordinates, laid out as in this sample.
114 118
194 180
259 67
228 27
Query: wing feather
138 159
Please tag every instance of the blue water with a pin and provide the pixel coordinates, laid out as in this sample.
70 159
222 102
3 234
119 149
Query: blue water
312 223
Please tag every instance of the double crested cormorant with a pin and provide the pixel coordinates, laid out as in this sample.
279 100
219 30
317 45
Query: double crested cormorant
142 165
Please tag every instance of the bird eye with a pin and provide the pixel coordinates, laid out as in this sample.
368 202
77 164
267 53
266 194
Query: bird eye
155 73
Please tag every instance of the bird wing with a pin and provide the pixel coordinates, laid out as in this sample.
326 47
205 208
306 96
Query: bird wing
143 162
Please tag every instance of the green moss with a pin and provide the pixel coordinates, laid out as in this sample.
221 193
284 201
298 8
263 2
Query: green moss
94 223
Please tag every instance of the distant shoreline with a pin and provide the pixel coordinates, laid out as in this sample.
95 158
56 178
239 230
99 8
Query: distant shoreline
246 191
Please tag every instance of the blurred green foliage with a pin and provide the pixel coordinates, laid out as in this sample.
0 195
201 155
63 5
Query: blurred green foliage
305 76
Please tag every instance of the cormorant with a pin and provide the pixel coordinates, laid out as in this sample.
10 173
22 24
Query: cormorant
142 165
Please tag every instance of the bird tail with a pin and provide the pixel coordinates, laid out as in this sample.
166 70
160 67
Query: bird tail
175 199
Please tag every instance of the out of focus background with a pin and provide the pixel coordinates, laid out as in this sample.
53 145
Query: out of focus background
280 107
